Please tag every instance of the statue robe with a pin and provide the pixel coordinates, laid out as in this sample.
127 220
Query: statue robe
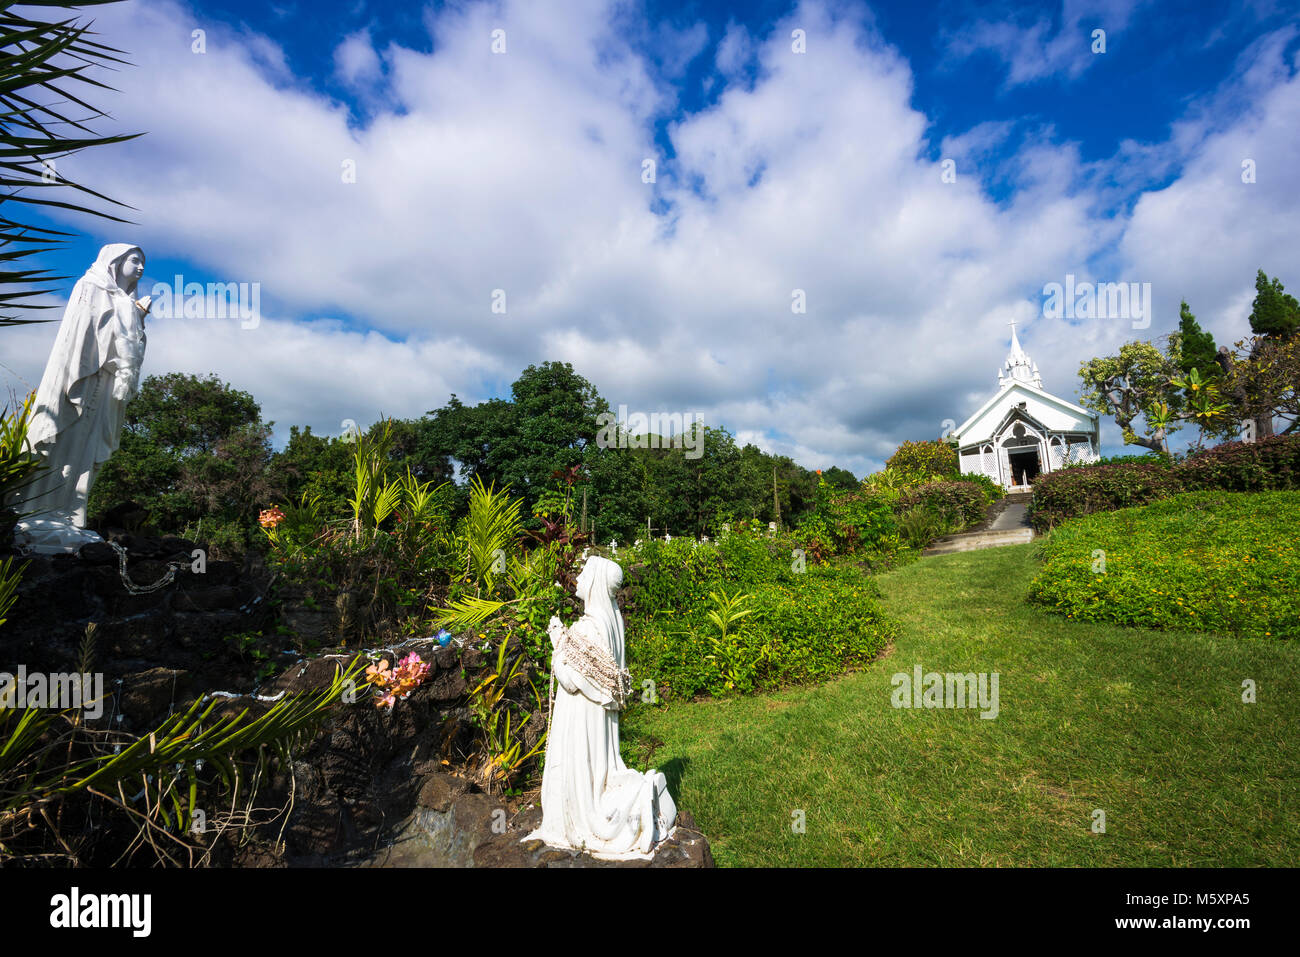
77 423
590 799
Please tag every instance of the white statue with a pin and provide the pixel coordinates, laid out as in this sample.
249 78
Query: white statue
92 373
591 801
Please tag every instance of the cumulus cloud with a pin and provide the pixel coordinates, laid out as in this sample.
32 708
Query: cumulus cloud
356 62
517 177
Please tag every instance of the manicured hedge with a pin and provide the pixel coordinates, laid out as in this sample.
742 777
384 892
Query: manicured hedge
1224 562
1272 463
1097 488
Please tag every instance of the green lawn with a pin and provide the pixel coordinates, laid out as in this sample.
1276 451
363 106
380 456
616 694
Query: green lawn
1148 726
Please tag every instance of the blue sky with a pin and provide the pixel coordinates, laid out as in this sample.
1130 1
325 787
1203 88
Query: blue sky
775 170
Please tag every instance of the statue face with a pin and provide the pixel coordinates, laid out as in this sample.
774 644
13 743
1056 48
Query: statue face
130 269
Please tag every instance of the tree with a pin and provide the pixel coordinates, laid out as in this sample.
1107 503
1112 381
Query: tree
188 414
1263 380
317 466
545 427
555 420
1196 347
1136 387
40 65
194 450
837 477
1274 313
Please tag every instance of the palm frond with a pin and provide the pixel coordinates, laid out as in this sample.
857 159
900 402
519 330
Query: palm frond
41 62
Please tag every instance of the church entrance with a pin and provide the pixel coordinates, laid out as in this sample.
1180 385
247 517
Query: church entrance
1025 466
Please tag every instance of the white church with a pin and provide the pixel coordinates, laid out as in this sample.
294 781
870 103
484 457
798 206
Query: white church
1023 430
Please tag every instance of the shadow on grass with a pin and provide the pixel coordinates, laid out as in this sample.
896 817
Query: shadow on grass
674 769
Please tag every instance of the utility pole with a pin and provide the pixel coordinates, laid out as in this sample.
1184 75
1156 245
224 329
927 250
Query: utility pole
776 499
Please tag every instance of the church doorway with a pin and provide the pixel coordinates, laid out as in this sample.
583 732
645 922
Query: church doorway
1025 466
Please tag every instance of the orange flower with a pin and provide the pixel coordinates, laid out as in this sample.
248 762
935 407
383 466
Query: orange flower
271 517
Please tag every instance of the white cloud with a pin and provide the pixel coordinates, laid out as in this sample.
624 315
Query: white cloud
1035 51
522 172
355 61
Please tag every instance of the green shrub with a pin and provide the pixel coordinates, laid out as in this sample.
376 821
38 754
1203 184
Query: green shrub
803 626
847 522
958 504
920 526
1098 488
1146 458
1272 463
811 629
1225 562
991 490
918 462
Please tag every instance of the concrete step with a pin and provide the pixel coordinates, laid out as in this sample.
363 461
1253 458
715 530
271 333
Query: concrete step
969 541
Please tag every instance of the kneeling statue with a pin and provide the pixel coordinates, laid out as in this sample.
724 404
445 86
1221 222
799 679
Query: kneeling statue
591 801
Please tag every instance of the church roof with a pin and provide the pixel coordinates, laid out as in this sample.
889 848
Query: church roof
1014 384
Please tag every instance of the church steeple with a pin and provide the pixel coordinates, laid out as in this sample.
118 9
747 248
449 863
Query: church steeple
1018 367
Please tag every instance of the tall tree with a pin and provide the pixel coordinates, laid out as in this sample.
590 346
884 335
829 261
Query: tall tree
837 477
1273 313
1196 347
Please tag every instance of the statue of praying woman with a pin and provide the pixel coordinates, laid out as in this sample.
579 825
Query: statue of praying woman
591 801
92 373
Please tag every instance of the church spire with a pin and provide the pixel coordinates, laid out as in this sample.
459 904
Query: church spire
1018 367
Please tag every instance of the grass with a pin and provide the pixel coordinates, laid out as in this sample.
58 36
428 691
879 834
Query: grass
1147 726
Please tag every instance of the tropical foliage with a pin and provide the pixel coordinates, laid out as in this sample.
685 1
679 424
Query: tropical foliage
183 785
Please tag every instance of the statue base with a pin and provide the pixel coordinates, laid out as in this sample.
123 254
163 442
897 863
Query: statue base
48 536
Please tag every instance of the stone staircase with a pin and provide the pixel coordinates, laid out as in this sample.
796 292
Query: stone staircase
990 538
1010 527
